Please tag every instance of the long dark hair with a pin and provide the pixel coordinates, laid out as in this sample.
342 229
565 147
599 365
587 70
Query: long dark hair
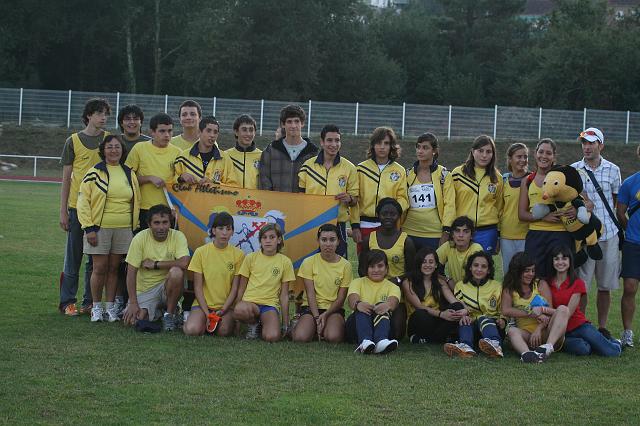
468 276
469 164
566 252
416 277
513 277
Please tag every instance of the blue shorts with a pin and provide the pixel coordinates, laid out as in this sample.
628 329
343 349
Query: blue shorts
487 237
630 257
267 308
419 242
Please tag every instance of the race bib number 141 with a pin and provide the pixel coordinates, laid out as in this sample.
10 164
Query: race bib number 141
422 196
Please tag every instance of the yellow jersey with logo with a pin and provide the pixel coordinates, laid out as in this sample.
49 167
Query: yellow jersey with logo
511 228
181 143
144 246
479 198
190 161
84 159
341 177
481 300
524 304
456 260
373 292
146 159
375 185
218 268
327 278
395 254
266 275
535 197
242 167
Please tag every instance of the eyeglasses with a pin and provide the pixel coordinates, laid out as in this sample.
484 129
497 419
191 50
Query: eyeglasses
590 133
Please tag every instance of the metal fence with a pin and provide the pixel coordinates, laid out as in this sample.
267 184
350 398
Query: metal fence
63 109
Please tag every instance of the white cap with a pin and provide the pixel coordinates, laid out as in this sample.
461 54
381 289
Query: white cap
592 135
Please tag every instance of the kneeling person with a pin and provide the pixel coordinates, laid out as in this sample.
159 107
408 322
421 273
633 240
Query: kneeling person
157 259
215 269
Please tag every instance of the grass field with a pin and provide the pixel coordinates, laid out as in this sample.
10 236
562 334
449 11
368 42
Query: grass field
58 370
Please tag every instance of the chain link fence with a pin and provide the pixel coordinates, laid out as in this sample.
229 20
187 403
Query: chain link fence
56 108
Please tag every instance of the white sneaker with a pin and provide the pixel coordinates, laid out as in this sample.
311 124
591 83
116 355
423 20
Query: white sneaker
627 339
366 347
253 331
385 346
459 349
112 314
119 306
97 313
491 347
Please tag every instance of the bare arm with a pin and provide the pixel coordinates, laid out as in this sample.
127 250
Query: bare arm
523 203
131 313
309 287
284 302
64 196
182 263
242 287
233 294
621 213
198 289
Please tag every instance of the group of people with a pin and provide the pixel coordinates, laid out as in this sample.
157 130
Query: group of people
425 239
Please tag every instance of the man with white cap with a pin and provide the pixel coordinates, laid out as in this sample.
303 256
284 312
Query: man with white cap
601 179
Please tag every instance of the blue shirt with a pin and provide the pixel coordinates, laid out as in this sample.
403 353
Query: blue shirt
629 195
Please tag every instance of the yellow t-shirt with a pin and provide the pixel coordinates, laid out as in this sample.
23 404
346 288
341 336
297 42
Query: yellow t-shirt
266 275
218 267
117 207
181 142
144 246
147 159
423 219
511 227
327 278
395 254
455 260
523 304
373 292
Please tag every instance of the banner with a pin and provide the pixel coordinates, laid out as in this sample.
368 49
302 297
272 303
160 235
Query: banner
299 215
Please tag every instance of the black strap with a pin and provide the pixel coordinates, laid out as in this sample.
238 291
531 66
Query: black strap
604 199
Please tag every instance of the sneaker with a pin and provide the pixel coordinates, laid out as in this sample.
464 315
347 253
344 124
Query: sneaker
627 339
543 352
111 315
119 306
253 331
415 339
491 347
70 310
86 309
366 347
168 322
385 346
459 349
606 333
97 313
532 357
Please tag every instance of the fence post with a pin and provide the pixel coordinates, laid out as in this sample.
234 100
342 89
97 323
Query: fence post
166 103
117 108
404 115
495 121
261 115
355 131
584 119
626 139
309 120
215 102
540 124
449 126
35 166
69 111
20 108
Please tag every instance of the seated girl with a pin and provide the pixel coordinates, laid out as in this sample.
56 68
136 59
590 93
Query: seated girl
326 278
581 338
373 299
455 253
433 311
481 323
538 329
263 293
215 269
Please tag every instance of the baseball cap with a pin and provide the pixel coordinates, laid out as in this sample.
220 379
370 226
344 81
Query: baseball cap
592 134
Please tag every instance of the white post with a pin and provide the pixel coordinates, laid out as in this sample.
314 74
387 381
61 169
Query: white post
261 115
215 102
117 108
404 115
35 166
20 108
309 120
584 119
449 126
357 115
626 138
69 111
495 121
540 124
166 103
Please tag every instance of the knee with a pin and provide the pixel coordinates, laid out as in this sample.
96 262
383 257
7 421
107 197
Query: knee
270 336
299 337
175 274
192 329
630 287
334 336
580 348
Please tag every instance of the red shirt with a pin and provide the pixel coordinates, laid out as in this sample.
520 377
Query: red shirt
562 295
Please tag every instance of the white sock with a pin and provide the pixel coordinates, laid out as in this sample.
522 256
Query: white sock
548 347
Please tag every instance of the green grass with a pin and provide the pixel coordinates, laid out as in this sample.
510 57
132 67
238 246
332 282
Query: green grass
66 370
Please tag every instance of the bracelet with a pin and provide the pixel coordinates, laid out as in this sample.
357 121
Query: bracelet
439 312
155 265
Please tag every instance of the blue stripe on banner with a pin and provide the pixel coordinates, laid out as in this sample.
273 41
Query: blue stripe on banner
186 213
322 218
298 262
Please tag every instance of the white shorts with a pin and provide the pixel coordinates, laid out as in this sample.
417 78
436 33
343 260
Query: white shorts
153 300
606 270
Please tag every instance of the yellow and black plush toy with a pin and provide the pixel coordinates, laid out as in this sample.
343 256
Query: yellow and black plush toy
562 187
